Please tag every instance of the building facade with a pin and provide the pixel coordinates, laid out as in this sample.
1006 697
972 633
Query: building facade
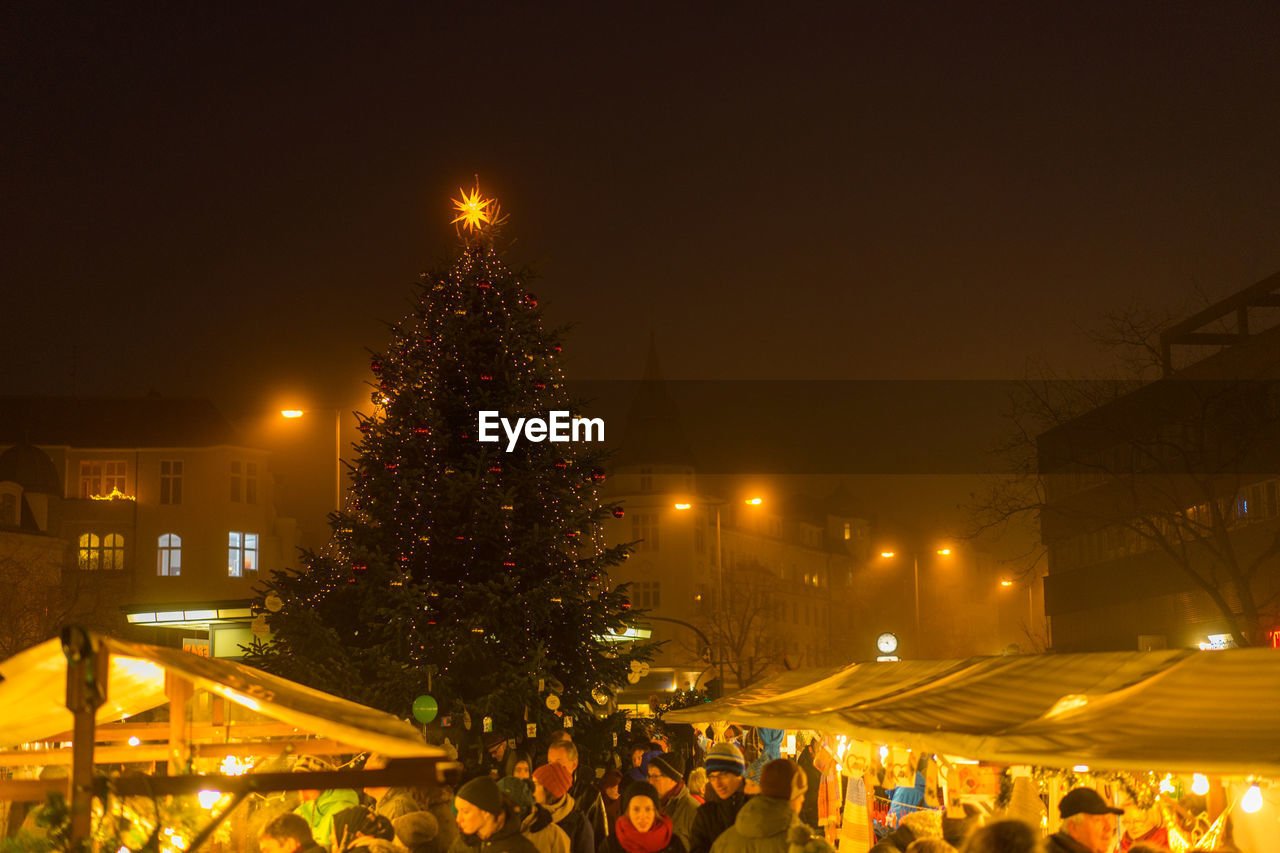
164 518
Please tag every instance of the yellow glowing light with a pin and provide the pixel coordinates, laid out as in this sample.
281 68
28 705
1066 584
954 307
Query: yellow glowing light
1081 768
683 506
232 766
886 553
208 799
473 210
116 495
133 741
291 413
754 501
944 552
1006 583
1199 784
1252 799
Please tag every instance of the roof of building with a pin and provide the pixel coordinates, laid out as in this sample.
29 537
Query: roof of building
653 433
31 468
113 422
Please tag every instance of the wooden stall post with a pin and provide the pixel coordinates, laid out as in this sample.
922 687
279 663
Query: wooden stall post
179 691
87 672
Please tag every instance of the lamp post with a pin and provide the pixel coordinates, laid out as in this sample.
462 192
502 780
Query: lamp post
1031 597
337 451
716 504
915 575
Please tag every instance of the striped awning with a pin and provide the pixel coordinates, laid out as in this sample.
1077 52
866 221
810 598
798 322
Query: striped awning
1173 710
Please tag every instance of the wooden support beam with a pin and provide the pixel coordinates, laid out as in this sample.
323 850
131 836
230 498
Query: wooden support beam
406 772
179 691
161 752
119 732
88 668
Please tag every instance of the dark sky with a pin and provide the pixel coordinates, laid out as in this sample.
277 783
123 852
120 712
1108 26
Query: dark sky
212 198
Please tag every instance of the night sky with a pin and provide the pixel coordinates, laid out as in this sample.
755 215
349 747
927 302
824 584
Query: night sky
216 200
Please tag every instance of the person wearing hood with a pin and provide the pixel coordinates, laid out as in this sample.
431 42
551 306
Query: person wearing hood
666 774
764 820
487 821
551 783
641 826
318 807
726 794
535 821
611 796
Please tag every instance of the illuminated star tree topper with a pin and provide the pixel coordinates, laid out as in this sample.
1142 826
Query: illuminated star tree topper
477 216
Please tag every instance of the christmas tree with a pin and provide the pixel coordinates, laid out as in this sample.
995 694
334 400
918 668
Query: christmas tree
461 570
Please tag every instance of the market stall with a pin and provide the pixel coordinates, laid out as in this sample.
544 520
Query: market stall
68 702
1166 712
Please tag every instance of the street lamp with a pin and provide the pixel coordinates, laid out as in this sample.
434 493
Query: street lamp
337 451
716 504
1031 607
915 574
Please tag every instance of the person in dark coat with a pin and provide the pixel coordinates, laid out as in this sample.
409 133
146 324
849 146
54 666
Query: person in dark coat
726 770
611 796
764 822
551 783
487 823
642 827
809 809
1088 823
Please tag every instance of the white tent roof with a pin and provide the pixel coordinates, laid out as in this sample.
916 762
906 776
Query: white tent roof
1176 710
33 694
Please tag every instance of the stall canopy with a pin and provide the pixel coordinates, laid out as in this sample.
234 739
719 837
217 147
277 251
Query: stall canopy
33 697
1175 710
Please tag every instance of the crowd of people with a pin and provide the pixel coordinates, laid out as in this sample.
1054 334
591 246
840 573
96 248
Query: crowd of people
512 804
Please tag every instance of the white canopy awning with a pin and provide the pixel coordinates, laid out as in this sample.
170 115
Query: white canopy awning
1174 710
33 692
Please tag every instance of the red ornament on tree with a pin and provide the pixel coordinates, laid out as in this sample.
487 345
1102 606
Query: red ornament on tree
376 365
530 300
618 512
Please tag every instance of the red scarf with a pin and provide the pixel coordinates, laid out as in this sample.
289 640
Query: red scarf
635 841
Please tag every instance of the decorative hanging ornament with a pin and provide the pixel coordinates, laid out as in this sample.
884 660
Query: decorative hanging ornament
531 300
635 666
466 720
618 512
425 708
273 602
632 678
600 695
553 702
376 365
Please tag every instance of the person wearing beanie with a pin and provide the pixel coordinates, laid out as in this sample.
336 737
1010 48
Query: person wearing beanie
417 832
487 821
666 774
551 783
611 795
725 793
535 821
914 826
642 827
763 821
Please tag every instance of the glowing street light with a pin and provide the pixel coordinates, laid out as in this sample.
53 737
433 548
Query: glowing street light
915 573
337 451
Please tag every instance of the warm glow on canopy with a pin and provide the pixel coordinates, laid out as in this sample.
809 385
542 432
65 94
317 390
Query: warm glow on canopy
1199 784
1251 802
473 210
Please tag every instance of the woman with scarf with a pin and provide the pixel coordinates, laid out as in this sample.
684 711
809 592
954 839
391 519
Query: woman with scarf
642 827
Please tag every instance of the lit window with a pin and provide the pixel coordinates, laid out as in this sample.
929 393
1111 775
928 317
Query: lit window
90 553
848 530
171 481
90 479
113 552
242 553
113 477
169 557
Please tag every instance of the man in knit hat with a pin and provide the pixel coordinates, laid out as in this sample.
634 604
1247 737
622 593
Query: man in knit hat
725 795
487 821
551 784
763 822
666 774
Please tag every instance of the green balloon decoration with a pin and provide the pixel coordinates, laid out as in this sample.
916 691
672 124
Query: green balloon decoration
425 708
